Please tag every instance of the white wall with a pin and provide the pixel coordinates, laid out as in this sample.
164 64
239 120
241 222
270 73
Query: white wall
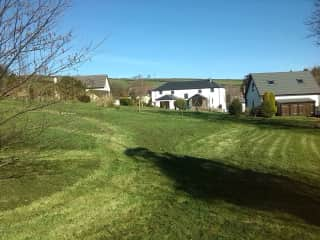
252 96
107 85
316 98
243 107
215 98
171 104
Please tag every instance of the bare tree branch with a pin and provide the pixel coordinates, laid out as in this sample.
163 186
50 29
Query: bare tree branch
314 23
30 44
32 48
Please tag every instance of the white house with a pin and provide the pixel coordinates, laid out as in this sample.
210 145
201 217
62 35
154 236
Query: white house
96 85
296 93
204 94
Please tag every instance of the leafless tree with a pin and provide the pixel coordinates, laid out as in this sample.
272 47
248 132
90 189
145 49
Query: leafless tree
314 22
138 90
32 50
31 46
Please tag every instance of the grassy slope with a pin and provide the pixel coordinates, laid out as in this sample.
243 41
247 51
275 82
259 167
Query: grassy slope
110 174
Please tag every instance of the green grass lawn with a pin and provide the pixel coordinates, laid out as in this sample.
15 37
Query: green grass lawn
98 173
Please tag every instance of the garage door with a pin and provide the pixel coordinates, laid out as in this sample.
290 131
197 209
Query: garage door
284 110
296 109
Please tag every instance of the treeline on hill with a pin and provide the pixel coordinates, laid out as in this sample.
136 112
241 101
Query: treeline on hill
122 88
44 88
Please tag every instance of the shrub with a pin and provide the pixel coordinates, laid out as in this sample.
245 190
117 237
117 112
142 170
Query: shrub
235 108
105 102
268 107
84 98
70 88
126 102
180 104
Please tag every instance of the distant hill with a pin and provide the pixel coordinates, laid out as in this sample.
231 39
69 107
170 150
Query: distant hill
159 81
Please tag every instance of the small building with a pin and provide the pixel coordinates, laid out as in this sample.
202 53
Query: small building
199 94
96 85
296 93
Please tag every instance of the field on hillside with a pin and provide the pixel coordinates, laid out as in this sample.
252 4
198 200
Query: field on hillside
126 83
99 173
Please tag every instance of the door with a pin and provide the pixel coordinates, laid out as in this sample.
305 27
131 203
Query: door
285 110
302 109
309 109
164 104
294 109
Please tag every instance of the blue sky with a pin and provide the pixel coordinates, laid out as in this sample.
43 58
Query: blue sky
187 38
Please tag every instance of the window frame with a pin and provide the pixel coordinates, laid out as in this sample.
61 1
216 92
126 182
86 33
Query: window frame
300 81
271 82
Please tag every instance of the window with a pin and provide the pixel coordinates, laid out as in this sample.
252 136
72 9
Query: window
186 96
299 80
160 92
270 82
199 91
212 89
172 92
252 89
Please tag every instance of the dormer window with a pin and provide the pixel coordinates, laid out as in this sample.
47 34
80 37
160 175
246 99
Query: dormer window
299 80
270 82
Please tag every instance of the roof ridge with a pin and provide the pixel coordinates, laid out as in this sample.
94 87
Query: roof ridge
282 72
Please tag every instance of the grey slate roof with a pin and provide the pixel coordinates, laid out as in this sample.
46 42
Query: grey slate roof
285 83
93 81
183 85
166 98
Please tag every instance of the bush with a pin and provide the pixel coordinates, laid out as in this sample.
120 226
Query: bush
268 107
126 102
70 88
84 98
180 104
105 102
235 108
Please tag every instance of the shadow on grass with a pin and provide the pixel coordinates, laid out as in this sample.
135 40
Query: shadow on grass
213 180
277 122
